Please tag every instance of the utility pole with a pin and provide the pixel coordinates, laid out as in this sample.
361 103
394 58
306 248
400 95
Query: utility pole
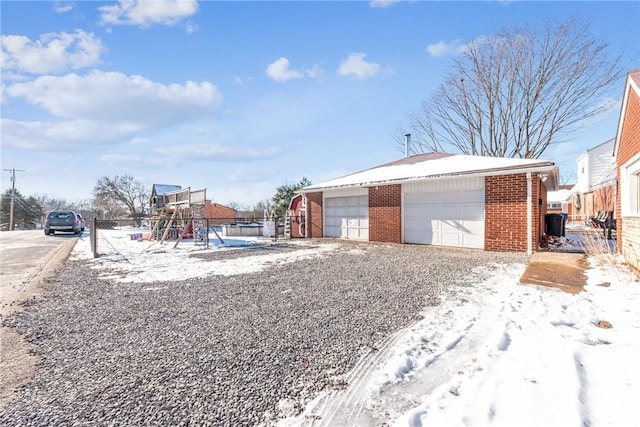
13 194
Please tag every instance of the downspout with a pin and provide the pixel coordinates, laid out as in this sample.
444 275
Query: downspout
306 215
529 214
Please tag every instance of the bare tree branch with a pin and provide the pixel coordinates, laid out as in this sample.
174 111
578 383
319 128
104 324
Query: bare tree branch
516 93
123 191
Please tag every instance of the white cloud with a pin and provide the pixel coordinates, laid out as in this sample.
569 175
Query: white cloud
103 108
145 13
250 174
62 7
191 28
170 157
116 97
137 141
218 153
442 48
121 159
458 47
315 72
280 72
382 4
53 52
60 136
355 65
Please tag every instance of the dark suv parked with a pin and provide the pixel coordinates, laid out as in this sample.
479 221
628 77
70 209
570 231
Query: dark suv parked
62 221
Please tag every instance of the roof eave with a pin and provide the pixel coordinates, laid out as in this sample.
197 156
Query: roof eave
629 85
550 166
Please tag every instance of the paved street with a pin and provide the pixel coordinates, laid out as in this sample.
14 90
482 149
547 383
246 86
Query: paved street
26 258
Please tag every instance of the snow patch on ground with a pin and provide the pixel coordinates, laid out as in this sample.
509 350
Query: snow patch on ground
141 261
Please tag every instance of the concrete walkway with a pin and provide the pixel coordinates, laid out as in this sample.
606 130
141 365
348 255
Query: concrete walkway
557 270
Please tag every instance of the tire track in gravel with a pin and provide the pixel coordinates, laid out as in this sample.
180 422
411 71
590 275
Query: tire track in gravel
345 407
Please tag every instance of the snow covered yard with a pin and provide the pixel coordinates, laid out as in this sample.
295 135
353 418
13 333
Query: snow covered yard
503 354
330 333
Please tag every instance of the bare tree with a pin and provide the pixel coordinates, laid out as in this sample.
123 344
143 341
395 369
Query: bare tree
50 203
515 93
123 191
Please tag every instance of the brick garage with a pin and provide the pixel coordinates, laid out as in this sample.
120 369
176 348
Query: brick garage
501 206
627 152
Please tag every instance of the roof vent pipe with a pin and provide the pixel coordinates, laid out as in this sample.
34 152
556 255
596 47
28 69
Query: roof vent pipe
407 141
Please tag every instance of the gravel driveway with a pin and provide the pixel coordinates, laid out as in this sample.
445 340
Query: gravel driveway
228 350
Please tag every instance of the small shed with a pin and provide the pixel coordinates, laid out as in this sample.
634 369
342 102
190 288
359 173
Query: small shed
297 214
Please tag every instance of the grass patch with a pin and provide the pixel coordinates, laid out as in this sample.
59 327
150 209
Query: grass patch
604 253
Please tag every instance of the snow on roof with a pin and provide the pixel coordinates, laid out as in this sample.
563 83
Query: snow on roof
558 196
421 167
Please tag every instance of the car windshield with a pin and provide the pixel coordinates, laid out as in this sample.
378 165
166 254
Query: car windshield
60 215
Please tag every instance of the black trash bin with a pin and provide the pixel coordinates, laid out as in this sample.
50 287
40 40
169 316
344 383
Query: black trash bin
554 225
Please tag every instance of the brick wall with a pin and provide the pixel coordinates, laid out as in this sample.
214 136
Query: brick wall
629 146
506 212
219 214
314 214
630 245
385 213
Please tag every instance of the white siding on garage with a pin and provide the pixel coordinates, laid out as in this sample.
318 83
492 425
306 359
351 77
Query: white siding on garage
346 214
445 212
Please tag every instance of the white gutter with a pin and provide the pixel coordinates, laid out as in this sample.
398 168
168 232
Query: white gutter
529 213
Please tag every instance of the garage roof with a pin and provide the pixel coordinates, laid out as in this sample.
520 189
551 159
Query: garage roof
440 165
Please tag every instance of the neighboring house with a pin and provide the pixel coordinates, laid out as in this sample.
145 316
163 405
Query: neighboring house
561 201
218 214
627 152
596 182
156 202
298 216
490 203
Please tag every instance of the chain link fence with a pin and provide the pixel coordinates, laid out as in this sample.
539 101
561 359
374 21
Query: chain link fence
195 230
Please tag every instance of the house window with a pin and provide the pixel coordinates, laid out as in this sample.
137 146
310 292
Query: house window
630 187
554 205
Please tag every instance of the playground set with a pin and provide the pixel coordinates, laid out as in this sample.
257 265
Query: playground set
178 214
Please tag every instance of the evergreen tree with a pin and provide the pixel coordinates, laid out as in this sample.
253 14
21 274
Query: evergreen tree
284 194
27 212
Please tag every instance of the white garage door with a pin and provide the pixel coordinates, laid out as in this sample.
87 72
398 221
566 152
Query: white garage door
347 217
447 213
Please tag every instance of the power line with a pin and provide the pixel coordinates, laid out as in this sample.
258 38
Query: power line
13 194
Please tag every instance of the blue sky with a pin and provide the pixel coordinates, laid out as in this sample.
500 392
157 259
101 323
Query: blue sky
241 97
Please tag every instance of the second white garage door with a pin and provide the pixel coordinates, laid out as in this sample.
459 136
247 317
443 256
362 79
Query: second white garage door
447 213
347 217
